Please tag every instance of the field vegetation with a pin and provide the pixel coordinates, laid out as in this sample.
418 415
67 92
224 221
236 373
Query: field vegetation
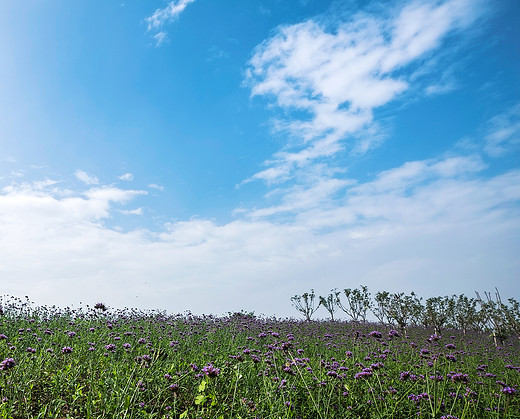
96 362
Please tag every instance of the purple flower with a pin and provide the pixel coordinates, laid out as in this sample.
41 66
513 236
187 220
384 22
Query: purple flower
366 373
376 334
450 346
460 377
377 365
7 364
100 306
210 370
418 397
404 375
509 390
393 333
66 350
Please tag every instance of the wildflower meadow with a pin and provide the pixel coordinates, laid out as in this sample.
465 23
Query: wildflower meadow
97 362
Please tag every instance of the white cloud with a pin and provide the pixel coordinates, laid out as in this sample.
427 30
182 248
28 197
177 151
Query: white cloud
126 177
160 38
299 198
444 84
42 184
137 211
163 16
167 14
433 226
86 178
17 173
215 53
339 76
155 186
503 134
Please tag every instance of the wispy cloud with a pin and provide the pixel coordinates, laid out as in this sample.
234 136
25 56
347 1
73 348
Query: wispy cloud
126 177
137 211
216 53
155 186
167 14
503 134
338 76
86 178
163 16
42 184
160 38
331 202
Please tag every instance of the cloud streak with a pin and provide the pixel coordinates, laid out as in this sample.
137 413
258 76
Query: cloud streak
503 134
164 16
86 178
167 14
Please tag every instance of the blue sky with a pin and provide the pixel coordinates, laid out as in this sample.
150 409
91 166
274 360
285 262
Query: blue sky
218 156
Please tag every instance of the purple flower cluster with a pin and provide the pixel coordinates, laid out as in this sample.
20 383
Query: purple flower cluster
7 364
416 398
100 306
393 333
210 370
365 373
459 377
509 390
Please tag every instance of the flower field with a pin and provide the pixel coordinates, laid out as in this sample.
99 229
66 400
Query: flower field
95 363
